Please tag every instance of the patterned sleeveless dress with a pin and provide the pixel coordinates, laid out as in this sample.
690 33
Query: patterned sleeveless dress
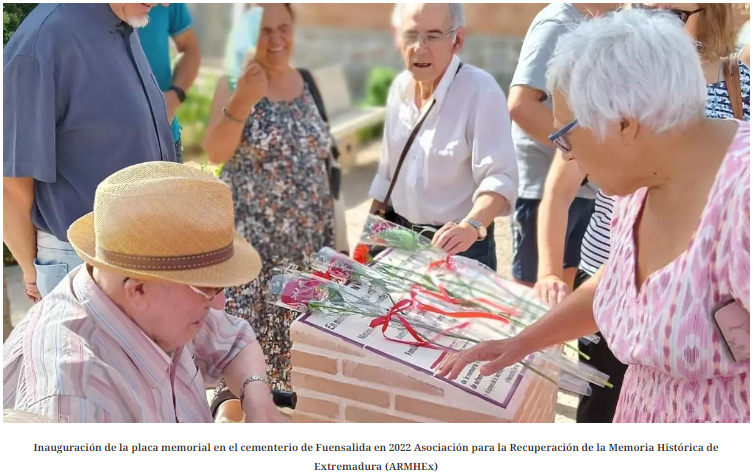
679 369
283 207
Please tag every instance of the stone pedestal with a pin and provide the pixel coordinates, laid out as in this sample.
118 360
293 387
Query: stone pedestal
338 381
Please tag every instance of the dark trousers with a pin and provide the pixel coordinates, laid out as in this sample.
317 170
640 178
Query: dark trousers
481 251
599 407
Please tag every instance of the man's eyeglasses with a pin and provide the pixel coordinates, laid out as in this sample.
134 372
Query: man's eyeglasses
213 292
412 37
209 294
560 138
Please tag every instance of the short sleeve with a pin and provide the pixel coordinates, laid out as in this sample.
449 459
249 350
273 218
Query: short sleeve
537 49
29 117
218 342
180 18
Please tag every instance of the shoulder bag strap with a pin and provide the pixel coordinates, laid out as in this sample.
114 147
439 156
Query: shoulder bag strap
309 80
733 85
406 147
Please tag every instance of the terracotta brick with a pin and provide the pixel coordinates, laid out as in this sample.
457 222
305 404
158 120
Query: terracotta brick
510 19
306 404
370 373
300 380
316 362
305 335
441 412
300 417
364 415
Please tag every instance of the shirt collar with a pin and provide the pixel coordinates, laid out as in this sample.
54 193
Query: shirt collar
137 345
102 13
442 87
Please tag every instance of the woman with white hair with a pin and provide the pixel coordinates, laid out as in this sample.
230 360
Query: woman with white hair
680 229
711 26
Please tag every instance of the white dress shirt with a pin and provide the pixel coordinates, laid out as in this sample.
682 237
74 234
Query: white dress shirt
463 149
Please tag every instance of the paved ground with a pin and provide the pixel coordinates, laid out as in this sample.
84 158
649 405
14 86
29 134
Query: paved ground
355 186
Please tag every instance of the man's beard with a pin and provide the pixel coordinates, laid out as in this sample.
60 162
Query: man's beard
138 21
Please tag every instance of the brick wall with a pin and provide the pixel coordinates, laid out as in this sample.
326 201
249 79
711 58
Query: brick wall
510 19
339 382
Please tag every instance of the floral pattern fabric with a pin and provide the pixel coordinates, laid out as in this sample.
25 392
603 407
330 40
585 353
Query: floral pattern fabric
283 207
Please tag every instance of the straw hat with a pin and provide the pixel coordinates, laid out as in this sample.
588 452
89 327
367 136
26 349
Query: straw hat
169 222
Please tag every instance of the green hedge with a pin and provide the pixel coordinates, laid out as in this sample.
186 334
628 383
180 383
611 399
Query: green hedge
13 15
193 115
376 91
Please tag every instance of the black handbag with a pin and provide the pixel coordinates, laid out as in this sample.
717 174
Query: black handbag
333 165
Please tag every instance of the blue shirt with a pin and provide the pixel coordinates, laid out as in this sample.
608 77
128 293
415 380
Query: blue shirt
79 103
164 23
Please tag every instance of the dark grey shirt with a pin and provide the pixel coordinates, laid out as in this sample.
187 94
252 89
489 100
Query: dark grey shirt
79 103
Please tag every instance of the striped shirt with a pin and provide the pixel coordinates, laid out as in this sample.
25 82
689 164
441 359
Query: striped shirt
77 357
595 247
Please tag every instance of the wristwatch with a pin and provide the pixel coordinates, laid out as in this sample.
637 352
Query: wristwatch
180 92
481 230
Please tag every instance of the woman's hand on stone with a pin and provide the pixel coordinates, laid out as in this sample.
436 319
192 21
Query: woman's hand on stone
497 354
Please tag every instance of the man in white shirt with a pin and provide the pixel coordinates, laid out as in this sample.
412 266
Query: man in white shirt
460 172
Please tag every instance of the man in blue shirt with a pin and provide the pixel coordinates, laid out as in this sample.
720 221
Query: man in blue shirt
166 22
79 103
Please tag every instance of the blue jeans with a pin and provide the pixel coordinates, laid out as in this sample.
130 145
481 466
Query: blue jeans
55 259
481 251
524 229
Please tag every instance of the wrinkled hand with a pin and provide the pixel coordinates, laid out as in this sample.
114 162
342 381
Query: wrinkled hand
551 290
454 238
497 355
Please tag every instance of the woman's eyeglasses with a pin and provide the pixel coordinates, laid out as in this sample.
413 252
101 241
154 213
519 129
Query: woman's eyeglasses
560 138
684 15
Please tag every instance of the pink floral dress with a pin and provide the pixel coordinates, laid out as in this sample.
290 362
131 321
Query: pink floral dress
679 369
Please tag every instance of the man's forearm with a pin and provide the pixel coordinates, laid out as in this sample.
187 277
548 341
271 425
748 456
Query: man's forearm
19 233
536 119
186 69
552 223
250 361
487 207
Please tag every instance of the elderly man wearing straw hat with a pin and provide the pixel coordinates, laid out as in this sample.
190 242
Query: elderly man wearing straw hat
138 332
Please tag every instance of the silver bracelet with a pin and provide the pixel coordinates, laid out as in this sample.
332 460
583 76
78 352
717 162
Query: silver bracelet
232 118
253 378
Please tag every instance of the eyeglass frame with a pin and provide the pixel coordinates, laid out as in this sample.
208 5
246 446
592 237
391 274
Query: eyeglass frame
422 37
560 137
682 15
196 290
